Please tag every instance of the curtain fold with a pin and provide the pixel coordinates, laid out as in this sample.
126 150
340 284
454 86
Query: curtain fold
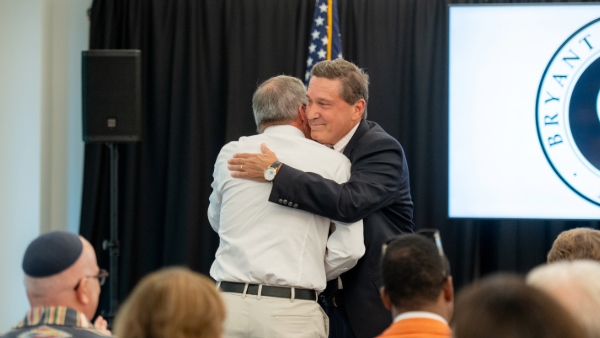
202 61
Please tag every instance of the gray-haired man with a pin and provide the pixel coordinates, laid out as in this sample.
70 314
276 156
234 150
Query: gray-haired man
272 260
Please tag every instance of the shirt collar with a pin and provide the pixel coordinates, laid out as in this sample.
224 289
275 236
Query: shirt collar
341 144
58 315
283 129
419 314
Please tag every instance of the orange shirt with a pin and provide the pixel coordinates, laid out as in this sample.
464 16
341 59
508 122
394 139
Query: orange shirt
417 328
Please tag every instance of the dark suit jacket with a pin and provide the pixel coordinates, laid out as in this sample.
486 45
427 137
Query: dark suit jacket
379 193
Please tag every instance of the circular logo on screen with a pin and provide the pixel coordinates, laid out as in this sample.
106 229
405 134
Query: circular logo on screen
568 112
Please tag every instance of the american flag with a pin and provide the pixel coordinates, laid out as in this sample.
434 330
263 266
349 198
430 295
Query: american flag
325 38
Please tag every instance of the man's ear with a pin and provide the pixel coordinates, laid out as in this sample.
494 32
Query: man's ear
302 121
448 289
302 113
82 293
385 298
359 109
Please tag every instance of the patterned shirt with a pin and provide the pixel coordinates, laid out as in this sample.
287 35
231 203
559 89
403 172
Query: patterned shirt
54 321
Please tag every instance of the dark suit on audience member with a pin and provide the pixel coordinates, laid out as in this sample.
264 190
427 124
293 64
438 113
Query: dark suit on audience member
379 193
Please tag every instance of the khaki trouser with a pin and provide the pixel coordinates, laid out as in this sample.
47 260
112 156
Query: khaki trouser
270 317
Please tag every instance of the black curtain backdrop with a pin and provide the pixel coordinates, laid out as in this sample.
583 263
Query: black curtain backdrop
202 61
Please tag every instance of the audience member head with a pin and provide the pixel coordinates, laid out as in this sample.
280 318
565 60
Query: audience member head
280 100
354 81
578 243
61 270
416 277
575 285
172 303
503 306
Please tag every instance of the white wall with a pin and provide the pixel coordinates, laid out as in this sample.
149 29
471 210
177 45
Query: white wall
64 35
20 145
41 152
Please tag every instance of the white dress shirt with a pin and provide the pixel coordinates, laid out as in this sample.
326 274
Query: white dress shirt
340 146
267 243
343 142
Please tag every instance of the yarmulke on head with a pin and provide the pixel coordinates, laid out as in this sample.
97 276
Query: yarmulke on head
51 253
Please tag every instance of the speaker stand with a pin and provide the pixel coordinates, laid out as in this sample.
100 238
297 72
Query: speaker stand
112 245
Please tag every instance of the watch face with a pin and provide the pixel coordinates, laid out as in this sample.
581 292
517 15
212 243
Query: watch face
270 174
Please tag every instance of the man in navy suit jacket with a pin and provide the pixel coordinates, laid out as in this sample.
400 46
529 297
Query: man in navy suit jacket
378 190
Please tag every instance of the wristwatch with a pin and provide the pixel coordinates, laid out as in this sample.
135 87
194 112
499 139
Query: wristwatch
271 171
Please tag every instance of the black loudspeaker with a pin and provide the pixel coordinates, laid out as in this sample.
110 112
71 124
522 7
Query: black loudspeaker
112 95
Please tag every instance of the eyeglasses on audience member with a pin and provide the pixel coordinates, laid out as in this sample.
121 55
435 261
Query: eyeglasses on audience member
102 275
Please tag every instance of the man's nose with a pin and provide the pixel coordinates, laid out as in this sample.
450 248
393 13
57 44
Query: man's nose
311 112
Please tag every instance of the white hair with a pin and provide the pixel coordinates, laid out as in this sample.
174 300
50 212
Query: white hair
575 285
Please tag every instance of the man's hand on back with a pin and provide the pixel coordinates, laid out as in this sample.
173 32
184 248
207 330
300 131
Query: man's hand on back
251 166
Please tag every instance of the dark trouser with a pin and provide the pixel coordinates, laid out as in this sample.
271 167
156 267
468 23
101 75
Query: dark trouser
339 324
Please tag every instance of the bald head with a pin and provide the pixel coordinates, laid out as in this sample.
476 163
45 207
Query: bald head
58 266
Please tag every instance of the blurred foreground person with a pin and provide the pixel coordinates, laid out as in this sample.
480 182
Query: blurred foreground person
62 280
172 303
575 285
503 306
417 287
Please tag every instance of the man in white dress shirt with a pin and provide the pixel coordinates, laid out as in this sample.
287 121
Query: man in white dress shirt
272 260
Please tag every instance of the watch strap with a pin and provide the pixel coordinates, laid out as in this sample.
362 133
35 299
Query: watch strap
275 165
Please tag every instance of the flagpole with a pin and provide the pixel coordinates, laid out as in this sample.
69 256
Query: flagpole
329 27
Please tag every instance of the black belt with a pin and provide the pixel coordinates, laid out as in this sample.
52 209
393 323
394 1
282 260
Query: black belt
269 290
335 300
